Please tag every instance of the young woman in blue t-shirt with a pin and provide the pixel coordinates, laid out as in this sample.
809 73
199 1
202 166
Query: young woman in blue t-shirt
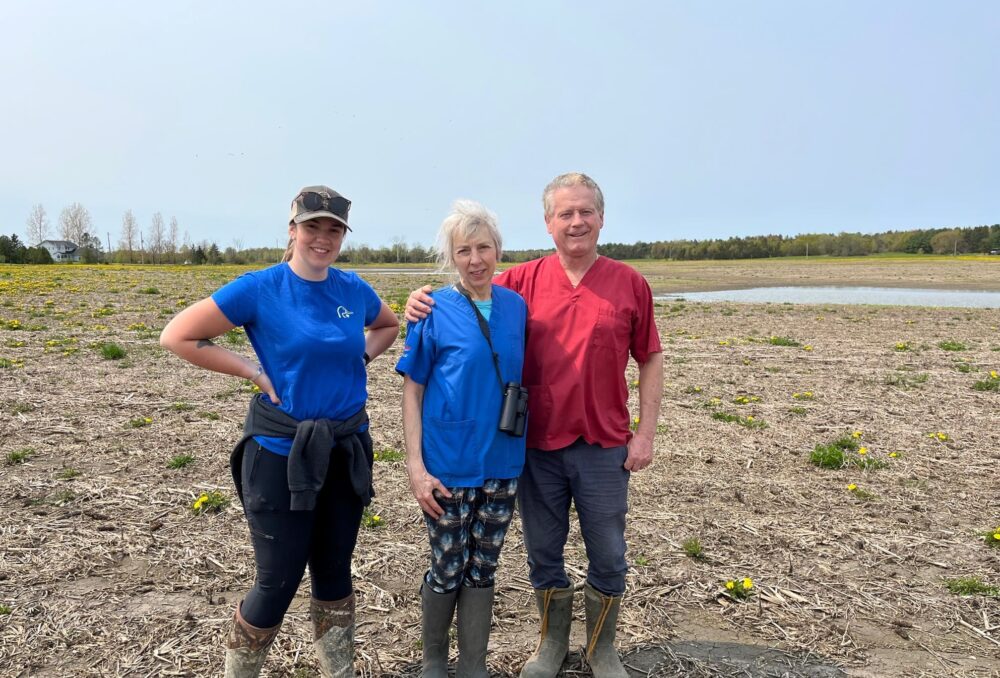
303 467
463 471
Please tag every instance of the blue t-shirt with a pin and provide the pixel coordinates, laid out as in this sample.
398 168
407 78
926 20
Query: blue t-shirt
447 353
485 307
309 337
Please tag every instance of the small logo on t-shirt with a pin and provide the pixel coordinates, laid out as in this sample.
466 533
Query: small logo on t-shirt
342 312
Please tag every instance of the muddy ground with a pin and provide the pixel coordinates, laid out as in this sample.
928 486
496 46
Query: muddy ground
106 571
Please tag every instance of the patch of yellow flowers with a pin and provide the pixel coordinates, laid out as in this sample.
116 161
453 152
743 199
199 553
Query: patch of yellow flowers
211 501
740 589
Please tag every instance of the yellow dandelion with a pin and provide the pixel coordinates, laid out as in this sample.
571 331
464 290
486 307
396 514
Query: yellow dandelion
994 375
730 585
795 395
997 536
635 420
723 342
748 583
148 420
857 434
894 454
807 347
862 450
852 487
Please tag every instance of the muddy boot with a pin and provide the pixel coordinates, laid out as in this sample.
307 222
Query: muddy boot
246 647
333 634
475 614
602 620
438 609
555 606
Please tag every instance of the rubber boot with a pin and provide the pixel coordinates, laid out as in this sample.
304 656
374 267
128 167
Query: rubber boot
475 615
438 609
602 621
333 636
246 647
555 606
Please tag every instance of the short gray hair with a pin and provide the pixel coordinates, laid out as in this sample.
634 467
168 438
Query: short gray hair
568 181
467 217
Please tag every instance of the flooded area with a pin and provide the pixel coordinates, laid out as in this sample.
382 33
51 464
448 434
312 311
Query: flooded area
879 296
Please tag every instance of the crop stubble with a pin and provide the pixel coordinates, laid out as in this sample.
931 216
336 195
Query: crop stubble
109 573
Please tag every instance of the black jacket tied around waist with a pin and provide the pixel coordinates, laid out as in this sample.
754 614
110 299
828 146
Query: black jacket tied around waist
313 442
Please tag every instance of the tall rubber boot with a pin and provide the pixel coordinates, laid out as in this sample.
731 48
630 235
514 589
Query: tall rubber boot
333 636
246 647
475 615
555 606
438 609
602 622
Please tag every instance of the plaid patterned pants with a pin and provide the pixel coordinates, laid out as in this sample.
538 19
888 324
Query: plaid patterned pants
467 538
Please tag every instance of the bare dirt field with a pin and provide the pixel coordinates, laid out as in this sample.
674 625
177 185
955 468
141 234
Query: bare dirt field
105 570
972 272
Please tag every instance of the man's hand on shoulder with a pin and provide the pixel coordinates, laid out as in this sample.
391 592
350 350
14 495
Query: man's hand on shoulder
640 453
418 305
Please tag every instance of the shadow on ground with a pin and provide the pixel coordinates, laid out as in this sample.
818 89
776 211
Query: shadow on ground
714 660
699 660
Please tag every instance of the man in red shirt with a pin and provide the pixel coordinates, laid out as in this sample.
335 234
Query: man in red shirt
586 315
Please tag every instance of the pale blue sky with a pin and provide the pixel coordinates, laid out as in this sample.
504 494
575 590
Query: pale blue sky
698 119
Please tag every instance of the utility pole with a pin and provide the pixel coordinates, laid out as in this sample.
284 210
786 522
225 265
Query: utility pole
109 242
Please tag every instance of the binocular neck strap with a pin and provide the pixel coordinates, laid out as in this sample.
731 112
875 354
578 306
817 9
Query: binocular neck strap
484 327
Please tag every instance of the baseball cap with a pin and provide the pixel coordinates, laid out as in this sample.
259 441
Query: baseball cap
320 201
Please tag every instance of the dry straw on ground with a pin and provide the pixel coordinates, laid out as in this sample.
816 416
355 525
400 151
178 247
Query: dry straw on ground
105 570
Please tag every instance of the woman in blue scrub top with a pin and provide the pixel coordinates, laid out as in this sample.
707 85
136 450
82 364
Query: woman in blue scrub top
303 496
463 470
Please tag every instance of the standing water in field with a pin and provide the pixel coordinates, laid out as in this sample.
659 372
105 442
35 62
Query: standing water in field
883 296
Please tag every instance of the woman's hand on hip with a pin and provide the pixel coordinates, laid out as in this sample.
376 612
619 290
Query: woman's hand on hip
263 382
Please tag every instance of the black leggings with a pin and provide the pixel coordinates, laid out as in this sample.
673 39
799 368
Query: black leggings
284 540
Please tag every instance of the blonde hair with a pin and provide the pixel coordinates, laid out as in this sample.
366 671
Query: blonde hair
569 180
289 250
466 218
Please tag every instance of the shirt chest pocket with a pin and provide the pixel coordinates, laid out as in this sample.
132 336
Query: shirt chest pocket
612 330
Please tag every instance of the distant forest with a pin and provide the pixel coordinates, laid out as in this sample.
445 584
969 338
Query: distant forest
162 245
977 239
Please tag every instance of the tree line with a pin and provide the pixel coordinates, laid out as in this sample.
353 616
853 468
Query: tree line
161 242
966 240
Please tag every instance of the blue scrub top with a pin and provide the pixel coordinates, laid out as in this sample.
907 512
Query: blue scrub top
447 353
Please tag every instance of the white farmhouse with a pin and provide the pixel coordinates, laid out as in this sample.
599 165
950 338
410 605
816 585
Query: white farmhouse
61 250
